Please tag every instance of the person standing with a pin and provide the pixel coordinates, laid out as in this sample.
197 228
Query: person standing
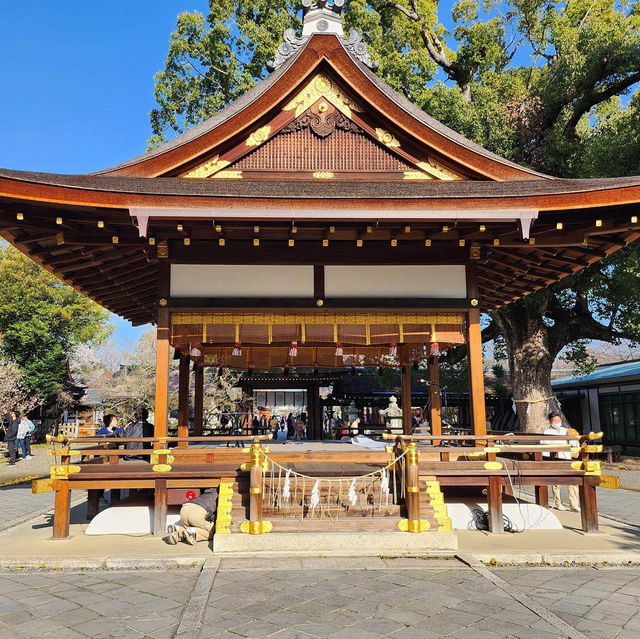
21 437
12 435
31 427
556 428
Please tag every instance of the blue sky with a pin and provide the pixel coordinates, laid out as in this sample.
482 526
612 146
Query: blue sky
76 83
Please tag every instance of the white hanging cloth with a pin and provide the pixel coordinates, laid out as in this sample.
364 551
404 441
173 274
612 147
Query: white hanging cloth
286 488
353 498
315 497
384 483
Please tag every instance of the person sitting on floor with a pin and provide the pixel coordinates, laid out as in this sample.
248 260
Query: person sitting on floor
197 518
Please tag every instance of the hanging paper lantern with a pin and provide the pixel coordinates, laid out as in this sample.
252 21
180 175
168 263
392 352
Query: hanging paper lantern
196 351
293 349
435 349
393 350
339 351
237 349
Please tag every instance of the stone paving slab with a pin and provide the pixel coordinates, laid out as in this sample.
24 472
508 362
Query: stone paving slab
102 605
360 600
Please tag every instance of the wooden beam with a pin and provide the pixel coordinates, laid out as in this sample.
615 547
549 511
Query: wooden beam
412 303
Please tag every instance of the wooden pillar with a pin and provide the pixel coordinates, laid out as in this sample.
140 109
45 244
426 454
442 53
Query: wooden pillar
405 374
93 503
412 497
62 510
314 408
161 410
435 399
474 349
160 508
494 499
198 400
255 490
183 398
588 505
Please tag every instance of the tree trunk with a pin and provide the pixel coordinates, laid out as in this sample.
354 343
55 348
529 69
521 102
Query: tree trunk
530 364
528 339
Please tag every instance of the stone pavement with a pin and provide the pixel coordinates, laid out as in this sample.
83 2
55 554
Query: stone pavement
36 466
354 598
620 504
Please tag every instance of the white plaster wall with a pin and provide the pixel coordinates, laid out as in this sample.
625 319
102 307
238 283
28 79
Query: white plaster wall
230 280
396 281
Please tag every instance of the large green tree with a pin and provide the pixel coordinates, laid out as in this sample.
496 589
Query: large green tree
544 83
41 321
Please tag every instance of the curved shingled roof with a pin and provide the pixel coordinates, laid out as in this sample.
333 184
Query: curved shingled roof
262 88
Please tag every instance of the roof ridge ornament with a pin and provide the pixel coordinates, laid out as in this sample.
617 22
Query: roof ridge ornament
320 16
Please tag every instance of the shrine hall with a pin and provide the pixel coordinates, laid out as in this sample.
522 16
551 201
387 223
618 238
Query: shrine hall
320 222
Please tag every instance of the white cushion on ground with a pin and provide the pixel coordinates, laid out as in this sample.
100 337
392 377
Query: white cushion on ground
128 520
523 516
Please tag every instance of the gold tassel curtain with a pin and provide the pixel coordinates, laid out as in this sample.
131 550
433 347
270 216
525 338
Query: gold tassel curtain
265 338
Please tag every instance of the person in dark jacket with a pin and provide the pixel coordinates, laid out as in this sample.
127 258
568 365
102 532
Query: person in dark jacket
12 435
197 517
141 427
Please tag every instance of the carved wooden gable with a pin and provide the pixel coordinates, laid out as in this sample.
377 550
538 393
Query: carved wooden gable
323 133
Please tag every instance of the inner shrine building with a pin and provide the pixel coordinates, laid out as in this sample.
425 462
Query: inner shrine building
320 221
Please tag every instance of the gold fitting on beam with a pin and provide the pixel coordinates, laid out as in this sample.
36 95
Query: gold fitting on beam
413 489
256 527
412 453
60 451
492 449
255 491
413 525
593 448
161 468
39 486
256 455
493 466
